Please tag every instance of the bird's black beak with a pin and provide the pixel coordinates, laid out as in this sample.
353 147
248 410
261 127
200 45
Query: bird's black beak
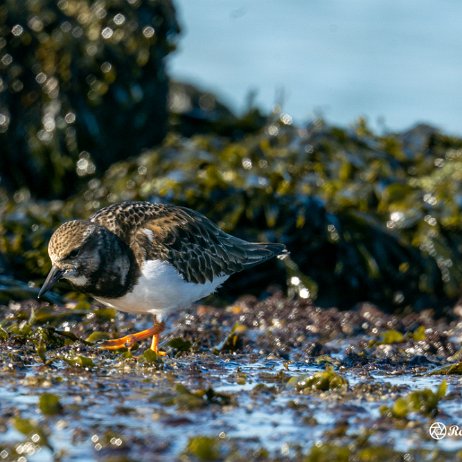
53 277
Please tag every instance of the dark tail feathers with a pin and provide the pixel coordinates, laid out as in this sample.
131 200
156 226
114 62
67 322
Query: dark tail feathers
278 250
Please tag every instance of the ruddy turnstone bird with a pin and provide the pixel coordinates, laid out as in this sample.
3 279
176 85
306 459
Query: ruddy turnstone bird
141 257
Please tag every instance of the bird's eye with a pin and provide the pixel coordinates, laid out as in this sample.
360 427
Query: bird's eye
73 254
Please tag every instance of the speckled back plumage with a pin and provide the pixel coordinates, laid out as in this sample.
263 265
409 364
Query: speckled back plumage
195 246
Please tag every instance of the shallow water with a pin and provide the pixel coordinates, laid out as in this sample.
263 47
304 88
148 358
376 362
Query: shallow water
242 399
253 422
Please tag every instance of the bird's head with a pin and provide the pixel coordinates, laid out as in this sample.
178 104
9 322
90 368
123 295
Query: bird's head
73 250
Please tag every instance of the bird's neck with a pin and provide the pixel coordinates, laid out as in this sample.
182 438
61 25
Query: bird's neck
117 270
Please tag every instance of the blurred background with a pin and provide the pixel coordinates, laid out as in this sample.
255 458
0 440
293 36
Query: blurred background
298 122
395 63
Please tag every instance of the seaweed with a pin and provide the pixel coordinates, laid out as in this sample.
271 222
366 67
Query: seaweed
358 224
424 402
73 73
320 381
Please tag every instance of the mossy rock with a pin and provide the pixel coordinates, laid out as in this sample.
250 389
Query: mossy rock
364 216
83 85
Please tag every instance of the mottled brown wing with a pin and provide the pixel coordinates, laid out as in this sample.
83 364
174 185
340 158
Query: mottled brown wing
197 248
124 218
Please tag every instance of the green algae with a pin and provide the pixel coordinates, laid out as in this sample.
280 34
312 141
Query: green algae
185 399
204 448
419 334
179 344
233 341
150 357
97 336
327 360
424 402
278 377
331 452
79 361
327 453
33 429
50 404
452 369
392 336
240 377
320 381
210 448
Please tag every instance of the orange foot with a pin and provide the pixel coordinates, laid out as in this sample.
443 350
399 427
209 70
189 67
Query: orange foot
129 340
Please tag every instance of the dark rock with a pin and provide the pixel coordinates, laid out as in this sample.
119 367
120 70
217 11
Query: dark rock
83 85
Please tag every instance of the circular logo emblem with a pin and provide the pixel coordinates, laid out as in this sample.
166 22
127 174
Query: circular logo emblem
437 430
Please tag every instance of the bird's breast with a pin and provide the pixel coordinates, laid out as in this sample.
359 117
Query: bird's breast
161 288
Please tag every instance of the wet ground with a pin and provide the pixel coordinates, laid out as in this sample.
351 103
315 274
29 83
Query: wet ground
277 379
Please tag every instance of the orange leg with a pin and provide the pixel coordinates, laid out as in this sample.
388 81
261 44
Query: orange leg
155 345
129 340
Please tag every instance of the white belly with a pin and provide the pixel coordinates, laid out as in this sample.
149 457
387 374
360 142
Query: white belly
160 289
